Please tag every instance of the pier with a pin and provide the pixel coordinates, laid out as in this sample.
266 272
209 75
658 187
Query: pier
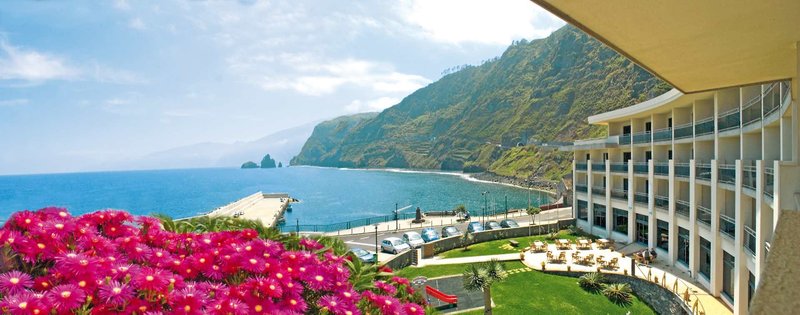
267 207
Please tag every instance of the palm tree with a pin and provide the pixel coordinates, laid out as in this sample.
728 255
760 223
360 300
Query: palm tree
482 277
466 239
460 211
532 211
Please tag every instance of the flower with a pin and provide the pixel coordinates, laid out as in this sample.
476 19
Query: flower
65 297
115 293
385 287
14 282
413 309
187 301
332 304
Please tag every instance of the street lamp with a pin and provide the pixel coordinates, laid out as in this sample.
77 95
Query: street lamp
376 241
485 205
506 206
396 222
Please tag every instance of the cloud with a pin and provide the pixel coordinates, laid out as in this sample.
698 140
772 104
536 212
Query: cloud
28 65
478 21
14 102
376 105
122 5
137 24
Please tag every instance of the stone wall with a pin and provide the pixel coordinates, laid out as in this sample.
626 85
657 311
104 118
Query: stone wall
402 260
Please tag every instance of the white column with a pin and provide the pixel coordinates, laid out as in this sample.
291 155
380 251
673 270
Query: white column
716 240
590 194
609 208
694 236
651 202
631 212
673 220
574 188
740 266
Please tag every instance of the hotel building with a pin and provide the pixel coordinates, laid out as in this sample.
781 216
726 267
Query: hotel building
708 173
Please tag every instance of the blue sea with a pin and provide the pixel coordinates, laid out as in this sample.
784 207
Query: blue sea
327 195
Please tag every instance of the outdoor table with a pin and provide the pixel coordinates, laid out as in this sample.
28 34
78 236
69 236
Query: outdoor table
583 243
603 242
538 245
563 243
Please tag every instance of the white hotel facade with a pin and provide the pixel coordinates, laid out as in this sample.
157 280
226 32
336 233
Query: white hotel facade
694 177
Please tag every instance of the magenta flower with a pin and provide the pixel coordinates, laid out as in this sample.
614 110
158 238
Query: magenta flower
413 309
385 287
24 303
187 301
332 304
14 282
115 293
65 297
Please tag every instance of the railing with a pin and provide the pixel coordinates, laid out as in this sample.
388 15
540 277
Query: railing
704 127
727 225
726 173
769 181
684 131
640 167
580 166
662 135
682 170
619 167
678 287
641 197
599 166
751 111
661 168
619 194
598 191
786 93
750 240
728 120
749 177
359 223
662 203
704 215
772 99
642 137
624 139
682 208
581 188
702 171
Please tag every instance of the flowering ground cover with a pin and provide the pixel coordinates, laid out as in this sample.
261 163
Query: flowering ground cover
111 262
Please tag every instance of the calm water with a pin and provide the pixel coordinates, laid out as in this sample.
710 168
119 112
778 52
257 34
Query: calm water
328 195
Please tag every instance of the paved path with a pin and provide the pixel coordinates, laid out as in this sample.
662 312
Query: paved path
467 260
259 206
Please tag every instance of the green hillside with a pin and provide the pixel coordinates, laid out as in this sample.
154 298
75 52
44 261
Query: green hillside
474 119
326 138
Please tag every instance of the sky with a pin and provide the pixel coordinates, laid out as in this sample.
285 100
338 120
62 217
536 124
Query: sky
85 83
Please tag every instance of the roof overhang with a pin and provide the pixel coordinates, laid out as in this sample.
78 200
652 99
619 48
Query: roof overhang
695 45
657 105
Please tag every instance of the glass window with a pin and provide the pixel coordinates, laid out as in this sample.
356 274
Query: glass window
641 228
683 246
728 274
583 210
600 216
751 287
621 221
662 235
705 258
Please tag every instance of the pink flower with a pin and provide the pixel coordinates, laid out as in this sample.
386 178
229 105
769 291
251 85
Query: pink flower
385 287
66 297
294 303
24 303
187 301
151 279
332 304
115 293
14 282
413 309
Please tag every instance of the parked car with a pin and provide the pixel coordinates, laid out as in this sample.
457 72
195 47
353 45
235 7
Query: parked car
474 226
508 223
413 239
449 231
492 225
394 245
364 256
429 235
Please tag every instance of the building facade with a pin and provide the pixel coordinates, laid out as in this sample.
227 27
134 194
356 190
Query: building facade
697 177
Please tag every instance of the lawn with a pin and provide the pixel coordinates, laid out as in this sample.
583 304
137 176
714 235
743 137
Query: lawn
494 247
535 292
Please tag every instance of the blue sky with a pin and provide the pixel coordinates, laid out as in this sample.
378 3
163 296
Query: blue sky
83 83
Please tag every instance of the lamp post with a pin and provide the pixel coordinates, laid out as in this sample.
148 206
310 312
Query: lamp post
376 241
485 205
506 196
396 222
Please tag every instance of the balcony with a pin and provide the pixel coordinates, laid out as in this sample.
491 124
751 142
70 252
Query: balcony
619 167
682 170
727 226
769 181
662 135
772 98
682 208
640 168
581 188
750 240
661 169
684 131
751 111
749 177
728 120
600 191
704 127
599 166
580 166
619 194
786 93
662 203
704 215
702 171
641 197
727 173
642 137
625 139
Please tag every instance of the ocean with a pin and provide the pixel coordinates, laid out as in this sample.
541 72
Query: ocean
327 195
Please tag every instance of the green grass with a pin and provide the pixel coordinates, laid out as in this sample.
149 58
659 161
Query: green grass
536 292
494 247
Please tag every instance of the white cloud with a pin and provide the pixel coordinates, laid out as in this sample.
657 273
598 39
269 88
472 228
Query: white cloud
376 105
122 5
478 21
28 65
137 24
14 102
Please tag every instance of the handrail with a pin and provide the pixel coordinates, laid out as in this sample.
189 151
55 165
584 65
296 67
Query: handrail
704 120
662 129
678 287
688 124
728 112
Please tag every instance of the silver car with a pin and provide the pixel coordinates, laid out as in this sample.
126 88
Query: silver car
394 245
413 239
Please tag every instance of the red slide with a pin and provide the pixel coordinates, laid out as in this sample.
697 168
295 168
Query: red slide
441 296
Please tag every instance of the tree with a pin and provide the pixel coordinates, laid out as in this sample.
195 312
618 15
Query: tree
532 211
482 277
460 211
267 162
466 239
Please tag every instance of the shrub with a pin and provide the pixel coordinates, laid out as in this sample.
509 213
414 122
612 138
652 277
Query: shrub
592 282
619 293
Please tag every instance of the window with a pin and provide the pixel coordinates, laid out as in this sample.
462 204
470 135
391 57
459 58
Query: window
583 210
705 259
588 156
683 246
648 155
648 126
600 216
626 156
751 287
605 156
626 130
669 122
641 228
669 155
662 235
620 221
728 274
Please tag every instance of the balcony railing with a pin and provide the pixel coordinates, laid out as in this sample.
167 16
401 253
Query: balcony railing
619 167
599 166
726 173
786 92
642 137
661 203
581 166
662 135
640 167
704 215
769 181
750 240
682 208
620 194
704 127
684 131
749 177
625 139
728 120
727 225
772 98
598 191
640 197
581 188
682 170
661 168
702 171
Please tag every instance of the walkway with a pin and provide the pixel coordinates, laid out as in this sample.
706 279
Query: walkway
467 260
259 206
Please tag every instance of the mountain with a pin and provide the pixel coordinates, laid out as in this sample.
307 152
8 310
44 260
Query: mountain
282 146
326 137
480 118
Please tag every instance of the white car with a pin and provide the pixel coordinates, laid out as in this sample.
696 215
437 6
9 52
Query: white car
394 245
413 239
